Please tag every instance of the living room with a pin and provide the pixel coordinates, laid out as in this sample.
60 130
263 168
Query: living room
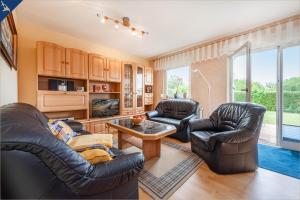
163 99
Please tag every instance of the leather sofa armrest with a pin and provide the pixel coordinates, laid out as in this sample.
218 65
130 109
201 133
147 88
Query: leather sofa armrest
186 120
235 136
200 125
151 114
109 175
75 125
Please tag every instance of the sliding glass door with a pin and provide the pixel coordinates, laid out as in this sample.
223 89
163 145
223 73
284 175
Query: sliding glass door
272 79
264 90
289 76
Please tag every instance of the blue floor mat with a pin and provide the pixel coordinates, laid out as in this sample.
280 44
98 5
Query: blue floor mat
279 160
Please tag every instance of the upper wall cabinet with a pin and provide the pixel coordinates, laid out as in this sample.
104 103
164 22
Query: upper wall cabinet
54 60
114 68
103 69
97 67
148 76
76 64
50 59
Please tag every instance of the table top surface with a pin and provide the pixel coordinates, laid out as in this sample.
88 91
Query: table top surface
144 128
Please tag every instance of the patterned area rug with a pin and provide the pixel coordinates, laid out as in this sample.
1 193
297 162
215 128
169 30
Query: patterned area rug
162 176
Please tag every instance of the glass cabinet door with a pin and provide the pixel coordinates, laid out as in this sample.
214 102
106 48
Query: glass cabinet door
128 86
139 87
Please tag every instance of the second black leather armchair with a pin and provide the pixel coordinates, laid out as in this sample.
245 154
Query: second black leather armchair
227 141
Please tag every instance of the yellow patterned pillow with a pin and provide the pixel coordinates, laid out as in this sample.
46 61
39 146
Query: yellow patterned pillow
95 156
87 141
61 130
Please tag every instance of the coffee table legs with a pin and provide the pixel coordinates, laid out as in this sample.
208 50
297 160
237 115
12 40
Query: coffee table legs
151 148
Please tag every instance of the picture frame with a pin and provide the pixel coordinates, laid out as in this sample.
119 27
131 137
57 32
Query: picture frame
8 40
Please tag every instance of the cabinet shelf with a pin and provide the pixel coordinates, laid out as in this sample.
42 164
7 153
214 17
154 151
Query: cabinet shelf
105 92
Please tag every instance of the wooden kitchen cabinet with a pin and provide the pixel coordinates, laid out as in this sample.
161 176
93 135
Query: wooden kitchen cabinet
50 59
97 67
113 70
148 76
76 64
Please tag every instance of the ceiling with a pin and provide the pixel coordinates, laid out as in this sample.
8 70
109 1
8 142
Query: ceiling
172 24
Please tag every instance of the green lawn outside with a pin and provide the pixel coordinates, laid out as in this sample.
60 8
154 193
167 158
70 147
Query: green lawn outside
288 118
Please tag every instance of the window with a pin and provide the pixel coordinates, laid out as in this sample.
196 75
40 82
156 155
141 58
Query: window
178 82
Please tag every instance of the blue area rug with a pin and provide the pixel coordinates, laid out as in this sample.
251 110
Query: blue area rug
279 160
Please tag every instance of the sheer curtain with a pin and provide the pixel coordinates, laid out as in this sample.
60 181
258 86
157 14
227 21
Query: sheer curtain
283 32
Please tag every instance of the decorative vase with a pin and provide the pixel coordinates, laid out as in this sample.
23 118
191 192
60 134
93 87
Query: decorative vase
176 95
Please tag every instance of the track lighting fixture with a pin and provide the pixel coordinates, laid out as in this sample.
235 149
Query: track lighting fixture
125 22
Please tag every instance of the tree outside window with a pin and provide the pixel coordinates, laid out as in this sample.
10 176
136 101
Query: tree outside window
178 82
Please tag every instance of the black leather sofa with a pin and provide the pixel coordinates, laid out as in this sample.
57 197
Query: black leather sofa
177 112
227 141
34 164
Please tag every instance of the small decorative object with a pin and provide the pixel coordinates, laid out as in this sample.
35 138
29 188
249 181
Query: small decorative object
62 87
105 87
175 95
80 89
137 119
8 40
97 88
148 89
185 95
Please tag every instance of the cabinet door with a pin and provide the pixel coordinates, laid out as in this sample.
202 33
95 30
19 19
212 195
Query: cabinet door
97 67
98 127
114 70
148 76
51 101
139 87
76 64
128 87
50 59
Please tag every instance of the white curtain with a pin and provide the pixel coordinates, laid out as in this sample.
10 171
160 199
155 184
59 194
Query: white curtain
276 34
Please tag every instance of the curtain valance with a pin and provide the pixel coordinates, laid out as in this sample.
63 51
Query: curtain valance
280 33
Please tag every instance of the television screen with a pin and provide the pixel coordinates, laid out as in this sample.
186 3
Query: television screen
105 107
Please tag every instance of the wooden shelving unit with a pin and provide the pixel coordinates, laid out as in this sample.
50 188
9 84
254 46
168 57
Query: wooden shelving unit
101 78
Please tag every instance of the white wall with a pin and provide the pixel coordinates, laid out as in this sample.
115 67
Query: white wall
8 83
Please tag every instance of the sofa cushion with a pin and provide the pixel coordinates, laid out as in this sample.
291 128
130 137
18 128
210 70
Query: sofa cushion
174 122
201 138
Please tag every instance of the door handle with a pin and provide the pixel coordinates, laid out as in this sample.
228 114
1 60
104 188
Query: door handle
245 90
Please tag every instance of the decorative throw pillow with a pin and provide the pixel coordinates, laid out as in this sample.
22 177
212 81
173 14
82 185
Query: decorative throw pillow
61 130
95 156
98 146
84 142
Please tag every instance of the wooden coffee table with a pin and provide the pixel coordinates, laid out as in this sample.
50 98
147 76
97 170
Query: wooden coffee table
146 136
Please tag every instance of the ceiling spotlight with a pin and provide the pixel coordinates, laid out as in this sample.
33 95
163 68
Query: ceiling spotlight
117 24
133 31
104 19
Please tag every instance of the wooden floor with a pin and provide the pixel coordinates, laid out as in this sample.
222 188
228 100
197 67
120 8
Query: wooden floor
262 184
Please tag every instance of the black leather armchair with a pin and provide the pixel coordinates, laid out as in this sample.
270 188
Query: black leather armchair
35 164
177 112
227 141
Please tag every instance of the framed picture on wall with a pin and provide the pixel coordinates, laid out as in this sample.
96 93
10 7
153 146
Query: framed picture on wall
8 40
